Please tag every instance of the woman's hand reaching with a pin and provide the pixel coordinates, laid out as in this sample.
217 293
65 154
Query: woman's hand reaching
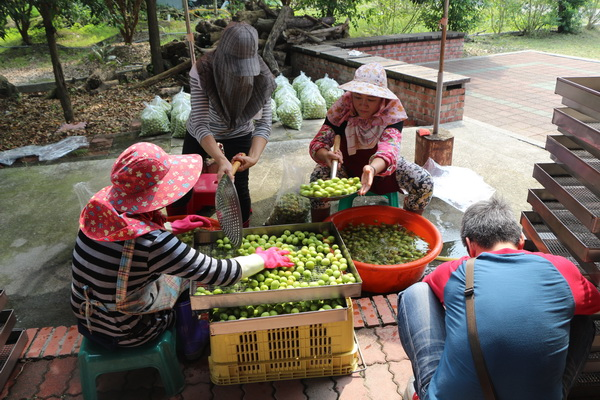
366 179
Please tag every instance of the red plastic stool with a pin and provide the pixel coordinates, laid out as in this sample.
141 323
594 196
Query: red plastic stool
203 193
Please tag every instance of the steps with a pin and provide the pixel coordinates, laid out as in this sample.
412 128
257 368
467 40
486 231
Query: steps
566 214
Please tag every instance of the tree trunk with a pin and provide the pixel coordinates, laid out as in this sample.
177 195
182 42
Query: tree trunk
278 27
61 87
168 73
154 37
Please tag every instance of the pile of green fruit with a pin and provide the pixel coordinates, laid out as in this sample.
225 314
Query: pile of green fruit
333 187
383 244
267 310
318 261
289 209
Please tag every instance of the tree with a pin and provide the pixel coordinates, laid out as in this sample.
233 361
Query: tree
154 37
331 8
48 10
569 19
463 15
20 12
126 13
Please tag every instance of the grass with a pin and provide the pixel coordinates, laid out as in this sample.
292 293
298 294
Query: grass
584 44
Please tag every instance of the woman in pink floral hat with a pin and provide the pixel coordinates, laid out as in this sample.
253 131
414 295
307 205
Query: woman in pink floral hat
130 272
369 119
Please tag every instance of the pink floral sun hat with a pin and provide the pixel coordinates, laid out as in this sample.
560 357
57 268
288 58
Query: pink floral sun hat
371 80
144 178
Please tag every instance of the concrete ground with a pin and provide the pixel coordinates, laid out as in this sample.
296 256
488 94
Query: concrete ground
39 206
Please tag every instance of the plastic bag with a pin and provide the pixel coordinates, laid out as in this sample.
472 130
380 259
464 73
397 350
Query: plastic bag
458 186
331 95
290 207
181 97
179 123
161 103
45 153
274 117
299 81
84 193
154 121
314 105
282 82
325 83
290 114
285 94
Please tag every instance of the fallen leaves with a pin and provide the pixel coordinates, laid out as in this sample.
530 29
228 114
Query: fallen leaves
35 119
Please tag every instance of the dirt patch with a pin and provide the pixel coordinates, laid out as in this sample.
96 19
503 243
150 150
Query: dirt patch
36 120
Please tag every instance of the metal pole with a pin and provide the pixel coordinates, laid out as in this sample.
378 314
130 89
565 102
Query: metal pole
440 80
190 35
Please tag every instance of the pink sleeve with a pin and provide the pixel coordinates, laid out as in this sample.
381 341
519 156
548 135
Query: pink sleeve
439 277
388 149
323 139
585 294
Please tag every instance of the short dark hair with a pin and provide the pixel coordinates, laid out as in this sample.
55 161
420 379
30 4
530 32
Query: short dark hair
489 222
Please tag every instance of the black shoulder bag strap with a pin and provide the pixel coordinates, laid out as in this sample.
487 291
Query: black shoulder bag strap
482 372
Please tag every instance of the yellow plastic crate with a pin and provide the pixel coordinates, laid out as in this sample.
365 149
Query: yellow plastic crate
276 370
299 349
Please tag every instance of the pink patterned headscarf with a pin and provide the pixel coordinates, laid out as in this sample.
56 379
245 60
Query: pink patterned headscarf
364 133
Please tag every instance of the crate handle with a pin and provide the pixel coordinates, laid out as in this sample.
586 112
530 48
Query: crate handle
362 359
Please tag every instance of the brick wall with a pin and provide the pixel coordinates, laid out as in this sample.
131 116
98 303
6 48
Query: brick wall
415 52
413 84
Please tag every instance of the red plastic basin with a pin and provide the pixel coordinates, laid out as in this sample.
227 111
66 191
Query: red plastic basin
391 278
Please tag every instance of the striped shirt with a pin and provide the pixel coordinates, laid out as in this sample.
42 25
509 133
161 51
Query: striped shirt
205 121
96 263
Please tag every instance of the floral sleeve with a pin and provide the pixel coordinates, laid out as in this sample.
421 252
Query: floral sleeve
388 149
323 139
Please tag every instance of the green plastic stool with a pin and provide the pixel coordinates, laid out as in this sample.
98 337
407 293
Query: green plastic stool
94 360
346 202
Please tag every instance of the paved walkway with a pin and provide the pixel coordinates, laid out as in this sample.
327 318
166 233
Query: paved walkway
513 91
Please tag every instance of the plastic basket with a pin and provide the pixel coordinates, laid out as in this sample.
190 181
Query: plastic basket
297 350
276 370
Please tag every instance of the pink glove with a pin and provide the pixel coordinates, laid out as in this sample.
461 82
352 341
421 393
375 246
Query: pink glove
188 223
274 257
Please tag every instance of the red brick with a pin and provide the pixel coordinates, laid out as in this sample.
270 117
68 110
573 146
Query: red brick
38 344
72 338
57 376
393 300
53 347
384 310
31 334
368 312
289 390
358 321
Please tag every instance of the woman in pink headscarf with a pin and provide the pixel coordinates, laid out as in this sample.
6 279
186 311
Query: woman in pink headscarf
369 119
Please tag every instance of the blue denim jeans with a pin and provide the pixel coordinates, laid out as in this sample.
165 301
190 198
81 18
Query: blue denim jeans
421 327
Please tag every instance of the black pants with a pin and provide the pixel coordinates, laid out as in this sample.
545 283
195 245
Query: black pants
231 148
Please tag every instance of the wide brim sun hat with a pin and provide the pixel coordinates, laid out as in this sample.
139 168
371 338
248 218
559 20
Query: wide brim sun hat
371 80
145 178
237 50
